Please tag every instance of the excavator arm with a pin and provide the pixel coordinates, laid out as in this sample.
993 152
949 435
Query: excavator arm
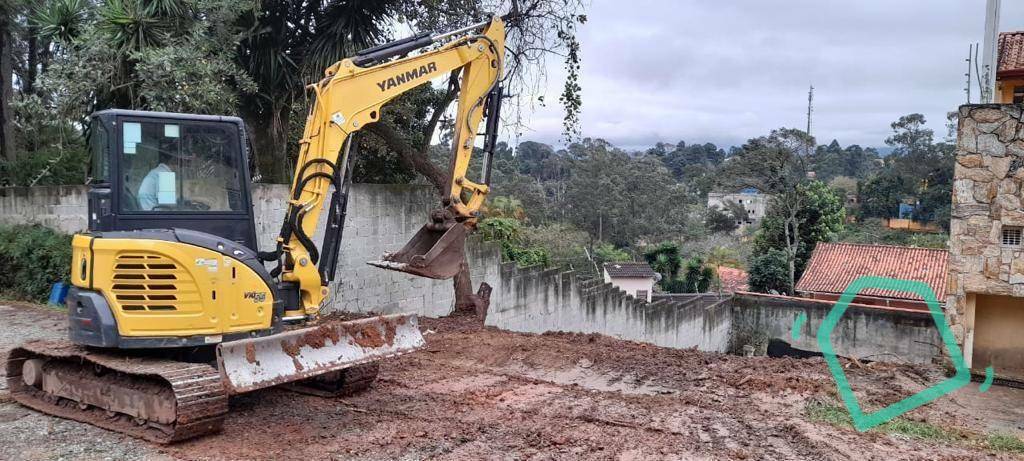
349 97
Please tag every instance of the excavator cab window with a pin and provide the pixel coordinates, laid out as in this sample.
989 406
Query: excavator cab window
99 171
179 165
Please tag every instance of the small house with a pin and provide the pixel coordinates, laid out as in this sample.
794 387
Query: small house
636 279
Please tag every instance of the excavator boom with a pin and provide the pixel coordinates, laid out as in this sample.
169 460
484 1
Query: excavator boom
349 97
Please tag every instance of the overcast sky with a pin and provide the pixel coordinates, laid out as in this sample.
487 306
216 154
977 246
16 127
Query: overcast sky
724 71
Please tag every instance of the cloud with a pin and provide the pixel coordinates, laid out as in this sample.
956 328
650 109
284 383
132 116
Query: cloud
703 70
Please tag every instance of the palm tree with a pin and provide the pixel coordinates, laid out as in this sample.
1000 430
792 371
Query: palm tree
289 42
665 259
697 277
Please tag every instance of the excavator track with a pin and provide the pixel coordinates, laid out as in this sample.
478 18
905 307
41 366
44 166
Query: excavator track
343 383
159 400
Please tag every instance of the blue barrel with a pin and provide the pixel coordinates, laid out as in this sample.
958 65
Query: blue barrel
58 292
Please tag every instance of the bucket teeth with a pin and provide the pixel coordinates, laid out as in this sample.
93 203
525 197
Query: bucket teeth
436 252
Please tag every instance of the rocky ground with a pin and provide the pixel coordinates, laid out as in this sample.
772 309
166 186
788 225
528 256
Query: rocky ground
480 393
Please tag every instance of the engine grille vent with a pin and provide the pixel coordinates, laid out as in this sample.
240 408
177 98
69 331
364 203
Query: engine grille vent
152 282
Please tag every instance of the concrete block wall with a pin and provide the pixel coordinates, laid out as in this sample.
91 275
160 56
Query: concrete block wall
60 207
381 218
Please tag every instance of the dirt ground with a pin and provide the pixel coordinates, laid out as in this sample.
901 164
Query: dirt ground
480 393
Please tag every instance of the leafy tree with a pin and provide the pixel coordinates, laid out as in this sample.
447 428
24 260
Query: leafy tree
718 221
769 271
508 232
505 207
777 164
8 13
880 196
820 218
619 199
608 253
564 244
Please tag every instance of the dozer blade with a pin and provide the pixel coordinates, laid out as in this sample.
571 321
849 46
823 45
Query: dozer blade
437 254
256 363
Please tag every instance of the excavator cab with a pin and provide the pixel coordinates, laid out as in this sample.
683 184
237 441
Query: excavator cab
155 170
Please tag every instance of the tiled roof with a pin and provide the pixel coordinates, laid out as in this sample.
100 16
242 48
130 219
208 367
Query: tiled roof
629 270
1011 52
833 266
733 280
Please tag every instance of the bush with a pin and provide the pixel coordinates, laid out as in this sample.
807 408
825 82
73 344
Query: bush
509 233
32 258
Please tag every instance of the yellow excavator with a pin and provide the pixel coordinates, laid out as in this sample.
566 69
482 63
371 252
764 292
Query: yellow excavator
171 309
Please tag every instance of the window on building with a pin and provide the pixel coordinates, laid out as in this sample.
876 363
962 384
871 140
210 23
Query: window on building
1012 236
641 294
1018 94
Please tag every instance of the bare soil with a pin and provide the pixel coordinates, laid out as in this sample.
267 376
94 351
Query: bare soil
482 393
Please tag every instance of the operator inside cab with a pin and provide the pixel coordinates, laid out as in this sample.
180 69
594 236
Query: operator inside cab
150 186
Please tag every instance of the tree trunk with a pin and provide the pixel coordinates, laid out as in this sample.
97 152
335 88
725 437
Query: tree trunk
32 65
6 90
792 244
270 144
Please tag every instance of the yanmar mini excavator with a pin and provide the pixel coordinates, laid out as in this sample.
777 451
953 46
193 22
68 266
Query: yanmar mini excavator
171 309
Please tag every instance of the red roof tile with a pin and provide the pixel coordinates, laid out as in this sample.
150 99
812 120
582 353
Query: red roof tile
833 266
1011 52
733 280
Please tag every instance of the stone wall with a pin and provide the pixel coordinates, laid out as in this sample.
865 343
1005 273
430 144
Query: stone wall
986 197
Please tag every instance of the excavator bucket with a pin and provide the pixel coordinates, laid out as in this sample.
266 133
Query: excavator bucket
433 252
250 364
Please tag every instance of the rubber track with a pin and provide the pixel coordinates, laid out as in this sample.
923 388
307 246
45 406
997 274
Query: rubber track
201 401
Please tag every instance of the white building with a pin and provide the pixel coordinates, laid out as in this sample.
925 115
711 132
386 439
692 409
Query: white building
636 279
751 200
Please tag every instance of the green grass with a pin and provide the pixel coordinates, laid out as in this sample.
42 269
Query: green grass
838 416
1004 442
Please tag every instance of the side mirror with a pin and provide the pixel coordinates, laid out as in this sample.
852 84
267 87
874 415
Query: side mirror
167 190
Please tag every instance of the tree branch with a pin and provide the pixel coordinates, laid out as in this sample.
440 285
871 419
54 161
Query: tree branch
439 108
415 158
